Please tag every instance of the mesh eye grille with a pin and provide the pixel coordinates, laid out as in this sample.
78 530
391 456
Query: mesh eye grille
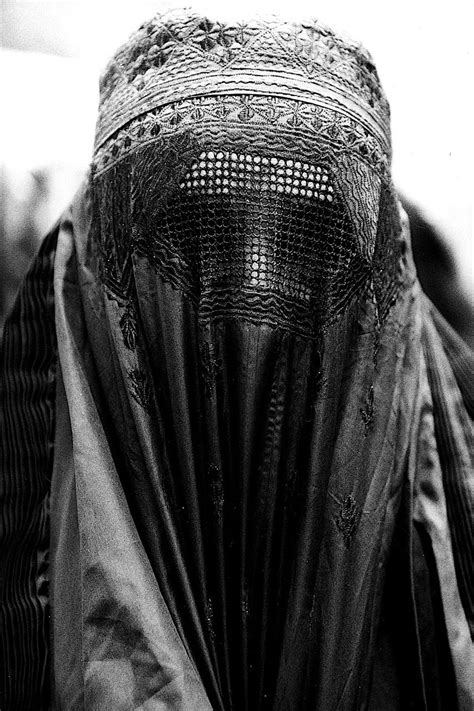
258 222
264 236
217 173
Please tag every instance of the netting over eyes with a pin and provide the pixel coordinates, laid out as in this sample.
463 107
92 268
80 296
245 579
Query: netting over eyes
258 224
264 195
262 234
249 237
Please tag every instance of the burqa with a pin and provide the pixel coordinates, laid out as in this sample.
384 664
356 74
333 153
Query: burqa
237 438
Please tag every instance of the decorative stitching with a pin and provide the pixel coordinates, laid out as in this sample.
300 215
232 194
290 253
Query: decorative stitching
183 51
140 388
256 205
368 411
201 223
348 519
129 327
343 133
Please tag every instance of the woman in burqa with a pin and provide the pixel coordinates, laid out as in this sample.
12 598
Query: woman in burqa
237 437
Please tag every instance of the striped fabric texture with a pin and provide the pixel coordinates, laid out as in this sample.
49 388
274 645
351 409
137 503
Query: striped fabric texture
27 401
451 379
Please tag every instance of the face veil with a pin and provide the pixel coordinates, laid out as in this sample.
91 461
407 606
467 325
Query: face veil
255 410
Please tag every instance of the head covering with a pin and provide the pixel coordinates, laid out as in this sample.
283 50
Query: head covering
255 413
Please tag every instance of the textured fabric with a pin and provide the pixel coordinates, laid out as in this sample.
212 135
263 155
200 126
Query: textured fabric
263 447
455 446
27 388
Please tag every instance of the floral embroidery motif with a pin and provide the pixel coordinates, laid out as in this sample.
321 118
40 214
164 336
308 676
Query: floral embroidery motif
309 48
350 136
247 112
128 326
348 519
140 388
210 35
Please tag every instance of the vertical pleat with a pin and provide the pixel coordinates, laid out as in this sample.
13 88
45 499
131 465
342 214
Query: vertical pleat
454 432
27 390
460 357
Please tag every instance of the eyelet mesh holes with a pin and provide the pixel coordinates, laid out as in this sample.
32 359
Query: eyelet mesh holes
219 172
260 222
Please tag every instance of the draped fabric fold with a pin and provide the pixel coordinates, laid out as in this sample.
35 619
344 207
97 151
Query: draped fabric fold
27 392
261 495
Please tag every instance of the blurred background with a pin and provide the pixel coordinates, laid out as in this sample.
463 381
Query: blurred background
53 52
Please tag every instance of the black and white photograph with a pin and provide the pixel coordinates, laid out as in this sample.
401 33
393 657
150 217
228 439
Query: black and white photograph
236 356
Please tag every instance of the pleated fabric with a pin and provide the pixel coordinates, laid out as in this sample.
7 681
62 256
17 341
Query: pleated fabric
450 386
27 394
